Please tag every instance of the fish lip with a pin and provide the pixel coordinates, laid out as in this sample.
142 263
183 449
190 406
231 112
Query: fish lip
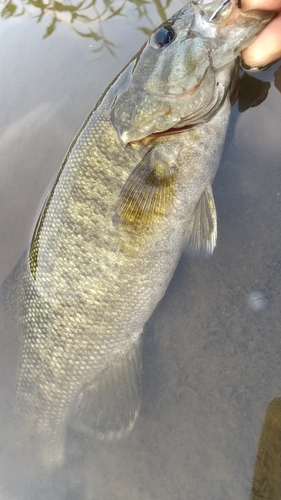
238 15
219 9
263 15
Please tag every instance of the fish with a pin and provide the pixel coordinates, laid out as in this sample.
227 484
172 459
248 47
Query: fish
133 189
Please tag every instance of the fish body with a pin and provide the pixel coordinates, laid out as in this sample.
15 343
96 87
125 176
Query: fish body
134 186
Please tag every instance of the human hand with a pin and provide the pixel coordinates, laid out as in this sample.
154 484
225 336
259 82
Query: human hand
267 46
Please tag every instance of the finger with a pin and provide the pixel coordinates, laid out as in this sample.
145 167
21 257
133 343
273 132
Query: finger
267 46
261 4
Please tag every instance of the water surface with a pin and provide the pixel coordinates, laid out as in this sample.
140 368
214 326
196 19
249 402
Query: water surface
208 427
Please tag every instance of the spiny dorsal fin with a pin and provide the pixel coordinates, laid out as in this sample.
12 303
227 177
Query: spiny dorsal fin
148 191
108 406
202 226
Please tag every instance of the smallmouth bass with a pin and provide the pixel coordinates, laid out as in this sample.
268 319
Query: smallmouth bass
135 184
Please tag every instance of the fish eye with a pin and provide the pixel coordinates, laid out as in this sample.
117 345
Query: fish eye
162 37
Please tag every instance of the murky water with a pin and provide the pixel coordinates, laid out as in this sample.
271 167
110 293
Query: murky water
209 427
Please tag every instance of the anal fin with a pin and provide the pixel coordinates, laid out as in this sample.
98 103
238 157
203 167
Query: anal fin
108 406
201 233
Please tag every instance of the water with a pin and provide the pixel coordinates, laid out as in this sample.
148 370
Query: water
211 377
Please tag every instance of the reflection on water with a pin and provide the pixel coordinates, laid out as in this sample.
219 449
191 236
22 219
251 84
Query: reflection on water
86 17
209 427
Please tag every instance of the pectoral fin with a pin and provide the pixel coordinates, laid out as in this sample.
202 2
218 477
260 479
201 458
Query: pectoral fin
108 406
148 190
202 226
252 92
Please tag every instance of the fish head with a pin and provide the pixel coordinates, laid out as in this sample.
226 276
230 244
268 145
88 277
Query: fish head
174 76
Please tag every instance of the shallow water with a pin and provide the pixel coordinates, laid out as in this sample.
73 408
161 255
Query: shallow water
211 376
